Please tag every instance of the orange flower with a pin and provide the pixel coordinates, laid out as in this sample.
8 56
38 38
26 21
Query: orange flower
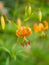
40 27
46 25
23 31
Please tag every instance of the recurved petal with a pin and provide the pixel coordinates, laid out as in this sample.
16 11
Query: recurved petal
36 28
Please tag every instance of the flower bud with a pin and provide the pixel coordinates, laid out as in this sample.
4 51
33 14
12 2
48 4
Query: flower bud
40 15
29 10
2 23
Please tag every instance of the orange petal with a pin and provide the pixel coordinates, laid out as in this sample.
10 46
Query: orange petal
21 32
36 29
41 27
28 31
46 25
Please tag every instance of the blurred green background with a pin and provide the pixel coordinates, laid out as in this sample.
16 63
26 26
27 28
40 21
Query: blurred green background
11 51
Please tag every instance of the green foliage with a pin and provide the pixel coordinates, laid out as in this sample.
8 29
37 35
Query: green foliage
11 50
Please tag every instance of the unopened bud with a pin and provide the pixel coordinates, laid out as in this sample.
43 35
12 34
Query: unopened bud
2 22
40 16
29 10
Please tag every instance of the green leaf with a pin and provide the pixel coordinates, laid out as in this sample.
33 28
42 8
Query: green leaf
7 61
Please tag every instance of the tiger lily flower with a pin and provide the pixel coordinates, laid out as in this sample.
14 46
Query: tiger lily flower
41 27
22 30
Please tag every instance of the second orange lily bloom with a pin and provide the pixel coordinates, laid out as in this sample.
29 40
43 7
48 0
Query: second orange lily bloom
41 27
